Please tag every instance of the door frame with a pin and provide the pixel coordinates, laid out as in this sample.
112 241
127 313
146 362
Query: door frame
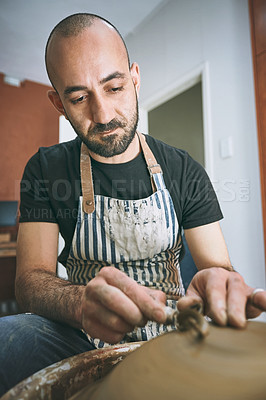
198 74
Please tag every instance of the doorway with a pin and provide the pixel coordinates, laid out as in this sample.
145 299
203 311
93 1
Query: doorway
191 94
179 122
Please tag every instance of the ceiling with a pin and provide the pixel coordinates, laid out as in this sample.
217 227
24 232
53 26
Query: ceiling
25 26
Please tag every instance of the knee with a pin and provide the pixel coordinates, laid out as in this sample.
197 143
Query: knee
17 334
20 345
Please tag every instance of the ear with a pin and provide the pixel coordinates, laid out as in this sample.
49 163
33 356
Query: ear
134 71
56 101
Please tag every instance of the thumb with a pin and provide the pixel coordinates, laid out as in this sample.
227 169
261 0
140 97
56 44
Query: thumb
189 300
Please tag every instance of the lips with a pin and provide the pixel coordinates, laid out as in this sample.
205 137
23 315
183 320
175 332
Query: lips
107 128
110 131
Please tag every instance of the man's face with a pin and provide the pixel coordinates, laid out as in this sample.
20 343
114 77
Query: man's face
98 92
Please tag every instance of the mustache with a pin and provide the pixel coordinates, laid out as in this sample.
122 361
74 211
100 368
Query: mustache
100 128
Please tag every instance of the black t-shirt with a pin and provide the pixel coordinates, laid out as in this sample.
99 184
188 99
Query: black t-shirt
50 187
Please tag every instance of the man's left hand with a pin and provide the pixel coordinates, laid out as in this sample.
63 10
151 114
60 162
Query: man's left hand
226 298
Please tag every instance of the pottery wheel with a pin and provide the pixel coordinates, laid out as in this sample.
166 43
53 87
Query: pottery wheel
229 364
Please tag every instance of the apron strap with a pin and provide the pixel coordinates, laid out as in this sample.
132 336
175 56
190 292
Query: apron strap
86 174
153 166
86 180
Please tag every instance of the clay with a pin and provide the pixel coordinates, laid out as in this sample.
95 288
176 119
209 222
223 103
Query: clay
229 364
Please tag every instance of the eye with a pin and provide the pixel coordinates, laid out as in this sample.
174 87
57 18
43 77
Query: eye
79 100
116 89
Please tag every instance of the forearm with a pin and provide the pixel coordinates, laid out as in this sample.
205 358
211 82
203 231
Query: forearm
207 246
43 293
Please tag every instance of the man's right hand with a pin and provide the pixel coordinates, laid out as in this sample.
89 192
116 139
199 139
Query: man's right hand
113 304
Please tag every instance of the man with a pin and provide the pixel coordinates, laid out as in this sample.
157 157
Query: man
122 236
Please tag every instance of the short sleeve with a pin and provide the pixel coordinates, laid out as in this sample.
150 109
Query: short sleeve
34 194
200 203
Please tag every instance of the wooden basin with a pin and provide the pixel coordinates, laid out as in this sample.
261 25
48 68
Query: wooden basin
63 379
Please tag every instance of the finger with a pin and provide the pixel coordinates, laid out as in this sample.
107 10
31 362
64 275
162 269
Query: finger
117 302
156 294
252 311
256 303
99 331
107 318
211 284
209 287
149 306
236 300
188 301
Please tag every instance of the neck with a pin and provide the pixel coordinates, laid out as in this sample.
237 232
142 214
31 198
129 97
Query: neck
131 152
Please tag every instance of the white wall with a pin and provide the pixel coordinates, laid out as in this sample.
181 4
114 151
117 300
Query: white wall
180 37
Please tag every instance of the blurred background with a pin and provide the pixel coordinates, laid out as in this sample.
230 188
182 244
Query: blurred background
203 90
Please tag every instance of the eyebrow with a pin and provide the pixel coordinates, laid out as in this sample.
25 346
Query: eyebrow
115 75
70 89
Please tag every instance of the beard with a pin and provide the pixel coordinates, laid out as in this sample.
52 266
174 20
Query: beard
114 143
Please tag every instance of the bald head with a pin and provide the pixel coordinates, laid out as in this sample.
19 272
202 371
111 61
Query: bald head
73 26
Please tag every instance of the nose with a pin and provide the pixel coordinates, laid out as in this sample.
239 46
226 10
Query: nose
102 110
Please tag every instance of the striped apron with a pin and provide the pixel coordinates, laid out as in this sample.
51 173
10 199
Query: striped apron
139 237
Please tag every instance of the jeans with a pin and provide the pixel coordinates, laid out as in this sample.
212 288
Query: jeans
29 343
